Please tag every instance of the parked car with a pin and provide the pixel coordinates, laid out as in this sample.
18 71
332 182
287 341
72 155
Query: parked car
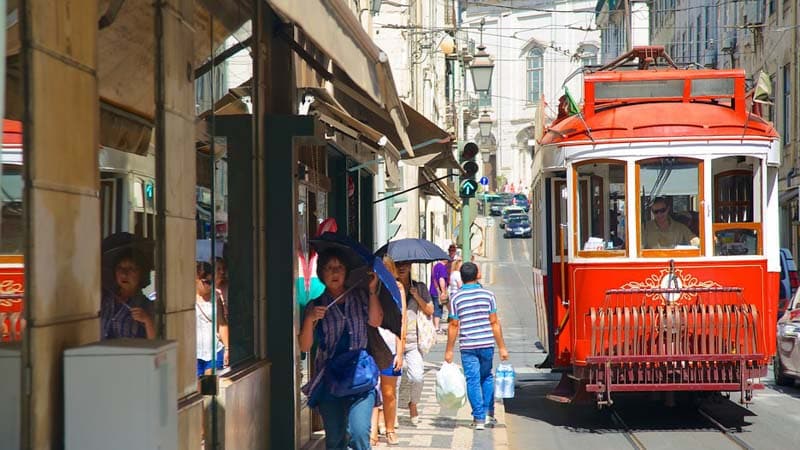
786 363
518 225
509 211
522 201
789 280
496 205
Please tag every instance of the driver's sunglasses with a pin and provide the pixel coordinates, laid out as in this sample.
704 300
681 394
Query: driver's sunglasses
660 210
206 281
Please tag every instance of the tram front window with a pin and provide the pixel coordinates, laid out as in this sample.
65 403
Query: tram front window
601 208
669 203
737 206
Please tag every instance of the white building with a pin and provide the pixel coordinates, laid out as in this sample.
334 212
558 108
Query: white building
410 33
536 45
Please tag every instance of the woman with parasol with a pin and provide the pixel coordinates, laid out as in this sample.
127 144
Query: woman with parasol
338 321
125 312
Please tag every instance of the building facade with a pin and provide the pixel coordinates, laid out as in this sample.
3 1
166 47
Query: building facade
536 46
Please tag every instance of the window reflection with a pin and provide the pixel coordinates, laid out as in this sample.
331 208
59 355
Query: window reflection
601 206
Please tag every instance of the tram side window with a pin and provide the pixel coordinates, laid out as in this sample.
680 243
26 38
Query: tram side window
670 199
737 206
601 208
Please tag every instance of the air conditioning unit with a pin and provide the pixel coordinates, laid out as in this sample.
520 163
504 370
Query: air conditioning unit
121 394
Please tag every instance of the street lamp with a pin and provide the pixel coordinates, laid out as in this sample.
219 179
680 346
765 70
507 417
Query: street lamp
481 69
485 125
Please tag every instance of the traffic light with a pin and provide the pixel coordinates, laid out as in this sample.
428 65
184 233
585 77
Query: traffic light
468 185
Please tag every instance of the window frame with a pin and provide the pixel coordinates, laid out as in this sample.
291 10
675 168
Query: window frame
661 252
531 68
577 218
752 225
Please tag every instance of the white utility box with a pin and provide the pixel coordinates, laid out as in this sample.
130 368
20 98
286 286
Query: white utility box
121 394
10 393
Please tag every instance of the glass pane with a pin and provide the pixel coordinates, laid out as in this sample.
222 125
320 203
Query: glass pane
638 89
138 194
601 206
712 87
735 242
670 201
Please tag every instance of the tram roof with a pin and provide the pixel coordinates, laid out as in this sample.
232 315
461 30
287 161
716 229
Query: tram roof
661 104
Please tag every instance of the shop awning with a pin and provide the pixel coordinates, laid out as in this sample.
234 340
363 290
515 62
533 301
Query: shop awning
433 147
329 111
442 189
334 29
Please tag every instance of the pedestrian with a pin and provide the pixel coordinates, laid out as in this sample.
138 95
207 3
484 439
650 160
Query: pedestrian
338 321
221 281
212 345
125 312
385 416
418 302
473 320
455 276
438 288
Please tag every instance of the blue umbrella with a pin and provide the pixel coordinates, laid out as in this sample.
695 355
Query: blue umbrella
413 250
357 257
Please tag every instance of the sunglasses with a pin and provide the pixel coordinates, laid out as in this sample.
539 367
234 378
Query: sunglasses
660 210
205 281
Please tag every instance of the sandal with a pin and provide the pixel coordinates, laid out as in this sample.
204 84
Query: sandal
373 441
391 438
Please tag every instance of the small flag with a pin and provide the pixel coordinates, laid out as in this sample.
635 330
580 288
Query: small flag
763 89
572 106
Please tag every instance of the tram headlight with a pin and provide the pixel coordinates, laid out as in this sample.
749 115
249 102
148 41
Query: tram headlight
788 330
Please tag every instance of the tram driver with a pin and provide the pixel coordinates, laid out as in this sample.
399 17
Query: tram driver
665 232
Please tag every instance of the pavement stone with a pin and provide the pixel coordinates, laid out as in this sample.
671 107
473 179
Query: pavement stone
439 429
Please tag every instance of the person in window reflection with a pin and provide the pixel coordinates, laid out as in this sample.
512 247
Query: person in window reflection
663 231
124 310
206 337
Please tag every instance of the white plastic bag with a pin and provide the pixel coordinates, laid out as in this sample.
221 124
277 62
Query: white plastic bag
504 381
451 387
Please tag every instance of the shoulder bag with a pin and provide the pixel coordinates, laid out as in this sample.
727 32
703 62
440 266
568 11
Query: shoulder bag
351 373
426 332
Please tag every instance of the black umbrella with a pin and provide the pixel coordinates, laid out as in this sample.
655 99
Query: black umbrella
413 250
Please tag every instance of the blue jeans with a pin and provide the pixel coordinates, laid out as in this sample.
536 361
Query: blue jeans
477 363
344 416
437 308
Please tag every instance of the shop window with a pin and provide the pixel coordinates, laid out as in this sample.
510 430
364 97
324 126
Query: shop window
601 208
737 205
670 197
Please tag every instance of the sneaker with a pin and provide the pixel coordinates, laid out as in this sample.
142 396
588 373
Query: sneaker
490 422
478 425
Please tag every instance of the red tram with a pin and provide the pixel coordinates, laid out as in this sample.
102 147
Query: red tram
655 255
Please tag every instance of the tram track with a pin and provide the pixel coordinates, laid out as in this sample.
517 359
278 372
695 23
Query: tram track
637 443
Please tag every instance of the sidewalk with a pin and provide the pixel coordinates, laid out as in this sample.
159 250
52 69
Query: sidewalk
443 432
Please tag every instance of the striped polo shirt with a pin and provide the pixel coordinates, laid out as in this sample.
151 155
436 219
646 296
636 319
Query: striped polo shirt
471 306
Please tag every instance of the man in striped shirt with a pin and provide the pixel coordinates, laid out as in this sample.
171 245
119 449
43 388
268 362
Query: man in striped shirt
473 319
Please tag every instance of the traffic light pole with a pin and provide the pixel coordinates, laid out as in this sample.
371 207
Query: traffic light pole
466 244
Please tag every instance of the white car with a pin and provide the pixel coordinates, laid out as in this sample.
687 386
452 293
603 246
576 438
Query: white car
786 364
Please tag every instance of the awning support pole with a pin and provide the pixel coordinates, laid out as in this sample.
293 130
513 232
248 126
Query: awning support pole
409 189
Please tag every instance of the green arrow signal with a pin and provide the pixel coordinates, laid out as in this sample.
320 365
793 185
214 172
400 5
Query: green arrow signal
468 188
